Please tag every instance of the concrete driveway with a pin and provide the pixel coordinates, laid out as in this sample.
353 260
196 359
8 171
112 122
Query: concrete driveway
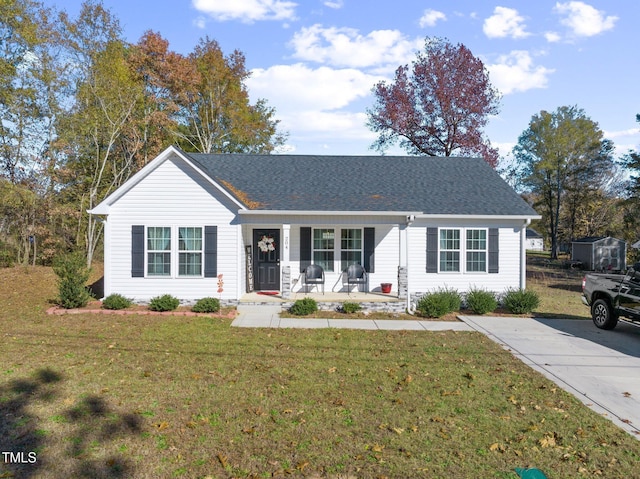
601 368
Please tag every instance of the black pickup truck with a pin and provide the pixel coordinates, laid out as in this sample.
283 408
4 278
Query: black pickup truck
611 296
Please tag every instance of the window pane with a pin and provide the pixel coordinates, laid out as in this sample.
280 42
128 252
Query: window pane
159 264
190 264
190 239
449 261
324 259
348 258
476 261
477 239
323 239
351 239
449 239
158 239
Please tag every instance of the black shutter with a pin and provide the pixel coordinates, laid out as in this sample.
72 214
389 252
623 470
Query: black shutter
494 250
210 251
370 250
432 250
137 251
305 247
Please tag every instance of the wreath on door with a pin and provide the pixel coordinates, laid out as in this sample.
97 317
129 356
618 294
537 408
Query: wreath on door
266 244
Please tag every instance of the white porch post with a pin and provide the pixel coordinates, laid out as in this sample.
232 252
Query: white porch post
523 254
286 249
285 262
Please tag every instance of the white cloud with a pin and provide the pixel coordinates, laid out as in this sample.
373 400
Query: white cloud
584 20
622 133
552 37
300 88
346 47
247 11
516 72
505 22
313 102
200 22
431 17
334 4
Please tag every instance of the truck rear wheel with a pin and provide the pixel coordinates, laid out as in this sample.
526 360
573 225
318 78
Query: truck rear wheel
602 315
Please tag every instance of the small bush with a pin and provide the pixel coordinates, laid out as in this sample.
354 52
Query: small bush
303 307
520 301
439 303
166 302
116 301
206 305
348 307
481 301
72 274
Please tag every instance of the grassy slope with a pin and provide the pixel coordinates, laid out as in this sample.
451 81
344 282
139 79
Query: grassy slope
146 396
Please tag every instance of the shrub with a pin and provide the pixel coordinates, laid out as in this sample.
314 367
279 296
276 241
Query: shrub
72 273
439 303
481 301
520 301
303 307
116 301
166 302
349 307
206 305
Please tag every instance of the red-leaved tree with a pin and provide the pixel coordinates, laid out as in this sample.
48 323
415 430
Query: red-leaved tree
438 106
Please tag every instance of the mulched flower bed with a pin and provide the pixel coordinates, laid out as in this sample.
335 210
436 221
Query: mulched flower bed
95 307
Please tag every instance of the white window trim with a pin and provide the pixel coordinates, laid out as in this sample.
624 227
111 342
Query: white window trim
485 251
340 250
313 248
337 245
463 250
174 251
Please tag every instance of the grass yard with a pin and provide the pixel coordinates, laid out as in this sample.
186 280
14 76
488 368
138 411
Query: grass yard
163 397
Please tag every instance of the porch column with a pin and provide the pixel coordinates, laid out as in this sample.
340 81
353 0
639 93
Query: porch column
403 261
285 264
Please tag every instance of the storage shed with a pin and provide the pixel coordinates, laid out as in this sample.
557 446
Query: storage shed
535 241
600 253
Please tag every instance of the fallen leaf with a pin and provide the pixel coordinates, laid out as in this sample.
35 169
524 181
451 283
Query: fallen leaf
223 460
332 370
626 394
161 425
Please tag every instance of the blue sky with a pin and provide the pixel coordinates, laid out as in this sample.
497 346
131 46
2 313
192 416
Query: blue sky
315 61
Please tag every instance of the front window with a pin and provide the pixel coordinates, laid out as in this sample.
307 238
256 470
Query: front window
323 247
449 250
350 247
477 250
190 251
158 251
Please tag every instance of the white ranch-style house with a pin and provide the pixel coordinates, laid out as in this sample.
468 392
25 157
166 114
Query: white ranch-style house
222 225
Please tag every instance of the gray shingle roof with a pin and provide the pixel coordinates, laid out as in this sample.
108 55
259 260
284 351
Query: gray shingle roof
433 185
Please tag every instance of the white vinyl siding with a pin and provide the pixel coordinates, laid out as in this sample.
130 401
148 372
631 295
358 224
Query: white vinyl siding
173 196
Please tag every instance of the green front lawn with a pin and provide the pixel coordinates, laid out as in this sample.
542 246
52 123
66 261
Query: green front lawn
158 396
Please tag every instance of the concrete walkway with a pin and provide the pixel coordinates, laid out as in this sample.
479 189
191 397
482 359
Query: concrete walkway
268 316
601 368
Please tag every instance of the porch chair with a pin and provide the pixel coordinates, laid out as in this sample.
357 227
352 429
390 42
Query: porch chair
313 274
356 274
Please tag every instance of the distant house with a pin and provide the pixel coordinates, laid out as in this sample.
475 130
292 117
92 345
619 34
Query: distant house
197 225
535 241
600 253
